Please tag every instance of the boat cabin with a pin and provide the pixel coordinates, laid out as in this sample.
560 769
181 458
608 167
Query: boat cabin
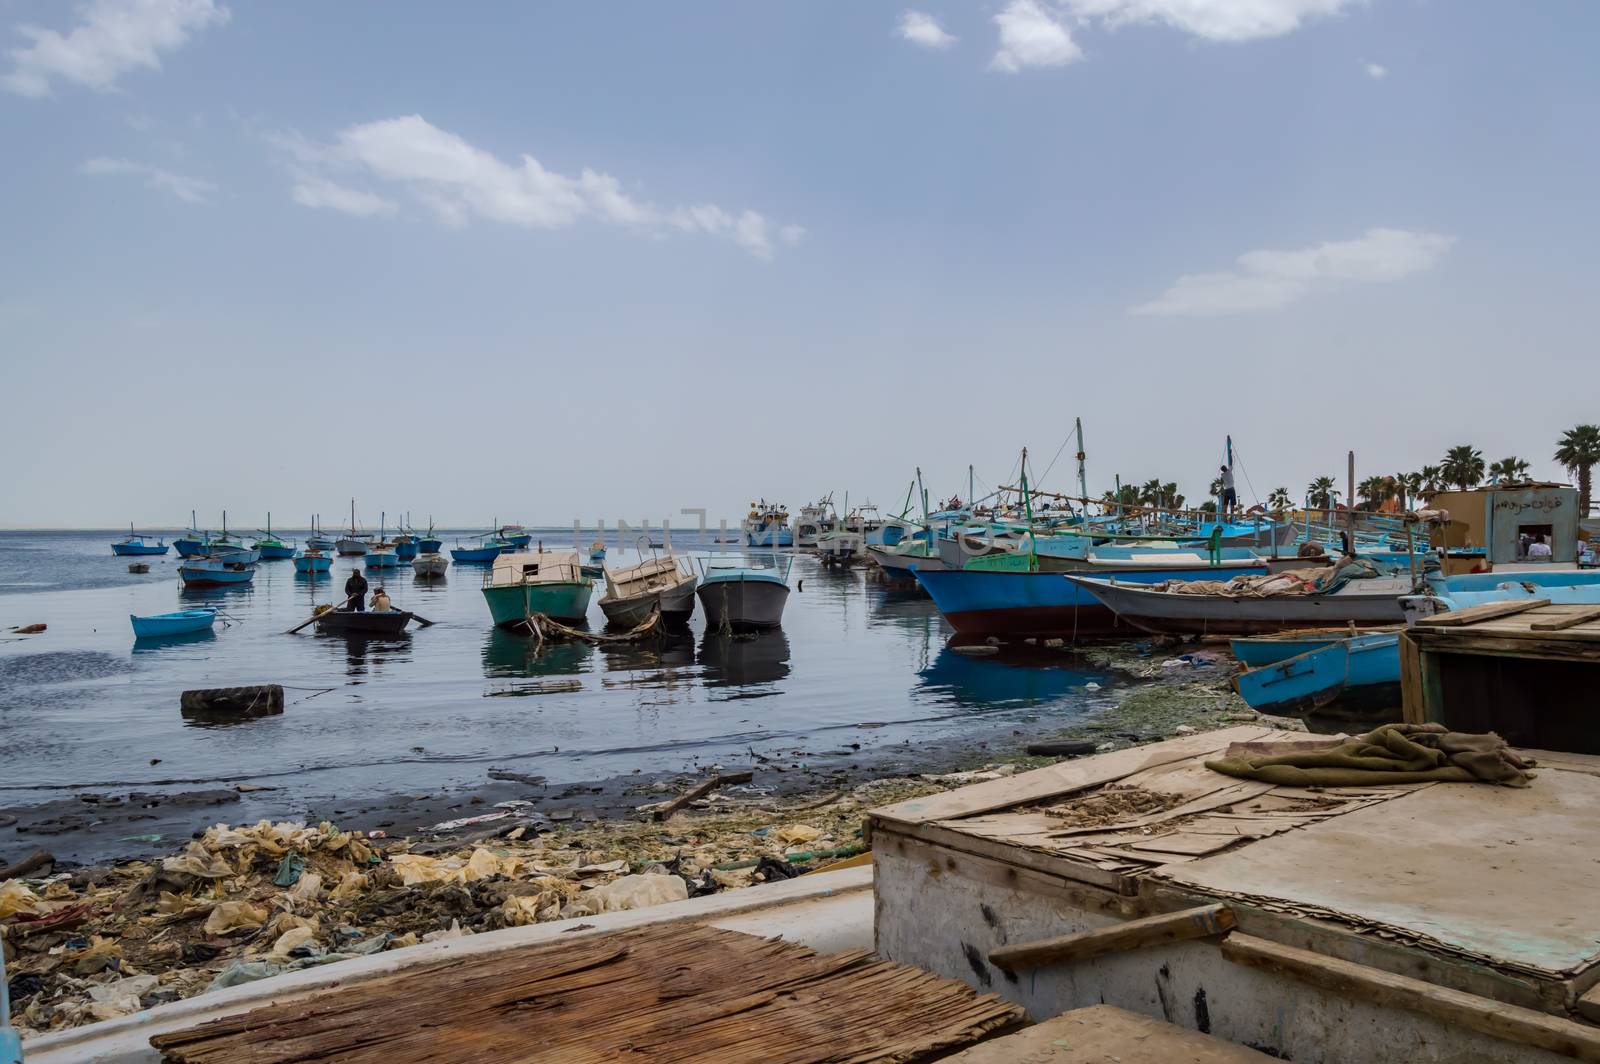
654 574
536 567
1505 522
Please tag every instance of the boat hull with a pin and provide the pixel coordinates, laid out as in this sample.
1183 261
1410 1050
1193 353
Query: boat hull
313 563
676 604
350 548
897 566
430 565
382 559
1168 613
742 604
476 555
364 622
270 552
769 537
126 550
1360 673
429 545
1038 605
405 548
216 575
513 604
188 548
182 622
319 543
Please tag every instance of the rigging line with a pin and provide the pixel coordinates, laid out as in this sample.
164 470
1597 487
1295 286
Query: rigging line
1052 464
1253 496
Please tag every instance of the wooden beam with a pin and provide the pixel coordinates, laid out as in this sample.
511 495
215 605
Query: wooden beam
1485 612
700 789
1413 707
1496 1019
1200 922
1571 620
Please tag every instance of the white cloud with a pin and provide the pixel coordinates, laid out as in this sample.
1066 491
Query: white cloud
188 189
1375 71
310 190
792 234
1213 20
111 38
459 182
1031 37
921 28
1271 280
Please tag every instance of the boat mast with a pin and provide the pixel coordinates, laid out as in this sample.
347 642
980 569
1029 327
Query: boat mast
969 485
1083 480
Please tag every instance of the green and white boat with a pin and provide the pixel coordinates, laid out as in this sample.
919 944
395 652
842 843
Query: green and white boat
550 583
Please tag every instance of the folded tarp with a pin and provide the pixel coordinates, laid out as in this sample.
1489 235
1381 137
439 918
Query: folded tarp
1394 753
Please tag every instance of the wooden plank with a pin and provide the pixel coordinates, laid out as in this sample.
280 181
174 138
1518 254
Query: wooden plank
1571 620
1200 922
1102 1033
699 790
1509 1023
1060 779
1412 708
1486 612
1589 1004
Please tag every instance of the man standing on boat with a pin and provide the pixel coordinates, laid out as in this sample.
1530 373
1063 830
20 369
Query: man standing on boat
355 590
1230 498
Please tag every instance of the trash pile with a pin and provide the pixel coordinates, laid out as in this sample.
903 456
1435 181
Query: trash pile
245 903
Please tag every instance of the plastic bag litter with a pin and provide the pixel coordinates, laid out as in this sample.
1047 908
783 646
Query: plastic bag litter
795 834
415 868
636 892
455 930
291 940
289 870
350 884
232 915
307 886
119 998
16 897
196 860
244 972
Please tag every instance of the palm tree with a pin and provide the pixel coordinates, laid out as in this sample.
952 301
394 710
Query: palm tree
1373 491
1411 486
1278 500
1169 492
1320 493
1578 452
1462 466
1509 469
1432 479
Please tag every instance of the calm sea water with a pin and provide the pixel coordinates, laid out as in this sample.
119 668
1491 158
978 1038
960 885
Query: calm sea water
83 705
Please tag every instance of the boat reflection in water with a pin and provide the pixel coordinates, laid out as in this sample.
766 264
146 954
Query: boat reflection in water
660 669
511 655
366 655
751 660
151 644
1017 677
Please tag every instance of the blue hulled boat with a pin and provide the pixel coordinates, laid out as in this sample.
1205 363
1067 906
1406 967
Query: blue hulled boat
313 562
405 546
1358 672
483 554
216 570
180 622
271 547
135 545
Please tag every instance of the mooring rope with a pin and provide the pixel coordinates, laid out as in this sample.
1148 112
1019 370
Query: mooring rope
544 628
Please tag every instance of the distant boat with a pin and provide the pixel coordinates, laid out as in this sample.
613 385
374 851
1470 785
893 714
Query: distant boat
405 546
194 542
488 549
318 540
354 542
544 582
271 547
313 561
430 565
382 553
135 545
597 551
430 543
216 570
767 526
180 622
632 594
741 597
515 535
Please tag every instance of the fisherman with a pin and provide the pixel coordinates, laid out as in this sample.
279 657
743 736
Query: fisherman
1230 498
355 590
380 600
1540 548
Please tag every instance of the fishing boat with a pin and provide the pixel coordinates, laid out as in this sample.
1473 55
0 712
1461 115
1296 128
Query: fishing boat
430 543
430 565
193 541
405 546
381 554
354 542
179 622
313 562
364 622
550 583
488 549
841 546
767 526
136 544
657 584
1169 610
898 562
742 598
597 551
812 521
216 570
319 540
1361 674
271 547
514 535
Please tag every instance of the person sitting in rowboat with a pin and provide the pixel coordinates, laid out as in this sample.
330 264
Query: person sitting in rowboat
380 601
355 590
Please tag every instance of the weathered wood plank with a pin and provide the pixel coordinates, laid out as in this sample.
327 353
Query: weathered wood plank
1200 922
1510 1023
1104 1033
1413 709
1485 612
1571 620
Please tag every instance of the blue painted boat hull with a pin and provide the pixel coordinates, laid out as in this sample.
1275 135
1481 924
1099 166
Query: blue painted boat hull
319 543
430 545
130 549
405 549
182 622
1257 651
1360 672
475 555
382 560
269 553
188 548
1038 605
771 537
205 575
313 564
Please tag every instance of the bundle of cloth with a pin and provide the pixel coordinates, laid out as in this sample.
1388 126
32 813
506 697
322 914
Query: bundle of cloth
1317 581
1394 753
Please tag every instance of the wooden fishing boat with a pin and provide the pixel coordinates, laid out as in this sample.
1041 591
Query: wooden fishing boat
430 565
514 535
271 547
382 556
597 551
1373 601
551 583
179 622
405 546
193 541
364 622
313 562
1359 673
137 545
216 570
354 542
767 526
740 597
319 540
487 550
658 584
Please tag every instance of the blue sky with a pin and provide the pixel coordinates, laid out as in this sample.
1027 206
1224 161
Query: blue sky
271 256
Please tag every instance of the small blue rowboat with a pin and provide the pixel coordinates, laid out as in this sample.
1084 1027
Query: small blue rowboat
216 571
181 622
189 546
405 547
477 555
135 544
382 558
1361 673
313 561
430 544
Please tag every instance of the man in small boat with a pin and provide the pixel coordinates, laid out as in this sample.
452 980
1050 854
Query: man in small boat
355 590
380 600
